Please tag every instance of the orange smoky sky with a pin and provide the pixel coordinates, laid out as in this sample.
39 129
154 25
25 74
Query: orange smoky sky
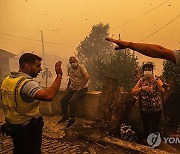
67 22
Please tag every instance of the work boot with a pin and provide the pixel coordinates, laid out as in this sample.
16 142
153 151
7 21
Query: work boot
71 123
62 120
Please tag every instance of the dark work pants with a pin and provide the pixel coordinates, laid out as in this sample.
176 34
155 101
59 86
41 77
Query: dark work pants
71 98
28 139
151 121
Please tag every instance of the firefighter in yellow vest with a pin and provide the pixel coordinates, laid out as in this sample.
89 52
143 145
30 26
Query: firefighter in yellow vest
20 96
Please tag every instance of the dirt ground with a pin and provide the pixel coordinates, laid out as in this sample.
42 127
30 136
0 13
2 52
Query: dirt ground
55 140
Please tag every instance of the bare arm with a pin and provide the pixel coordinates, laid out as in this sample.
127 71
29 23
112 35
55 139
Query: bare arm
137 89
160 85
86 78
69 83
50 93
151 50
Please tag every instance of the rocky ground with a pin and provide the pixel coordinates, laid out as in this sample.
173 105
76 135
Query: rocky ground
83 138
57 140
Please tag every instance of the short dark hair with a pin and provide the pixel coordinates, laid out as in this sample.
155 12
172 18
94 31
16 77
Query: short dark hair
28 58
148 65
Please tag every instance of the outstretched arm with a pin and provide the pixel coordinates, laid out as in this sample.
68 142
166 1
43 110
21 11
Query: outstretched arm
151 50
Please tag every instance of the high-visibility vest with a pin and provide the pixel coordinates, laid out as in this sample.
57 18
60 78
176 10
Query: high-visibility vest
16 110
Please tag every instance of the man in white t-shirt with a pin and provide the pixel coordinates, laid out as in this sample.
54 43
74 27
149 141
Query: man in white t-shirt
151 50
77 87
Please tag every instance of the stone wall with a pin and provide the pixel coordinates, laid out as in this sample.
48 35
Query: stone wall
88 105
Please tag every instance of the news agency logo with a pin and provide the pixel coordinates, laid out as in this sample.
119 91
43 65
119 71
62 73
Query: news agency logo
154 139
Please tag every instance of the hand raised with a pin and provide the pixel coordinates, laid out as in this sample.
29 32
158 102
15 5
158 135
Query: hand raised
58 68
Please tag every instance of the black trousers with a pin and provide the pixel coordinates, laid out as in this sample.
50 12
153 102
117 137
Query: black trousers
151 122
71 98
27 139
